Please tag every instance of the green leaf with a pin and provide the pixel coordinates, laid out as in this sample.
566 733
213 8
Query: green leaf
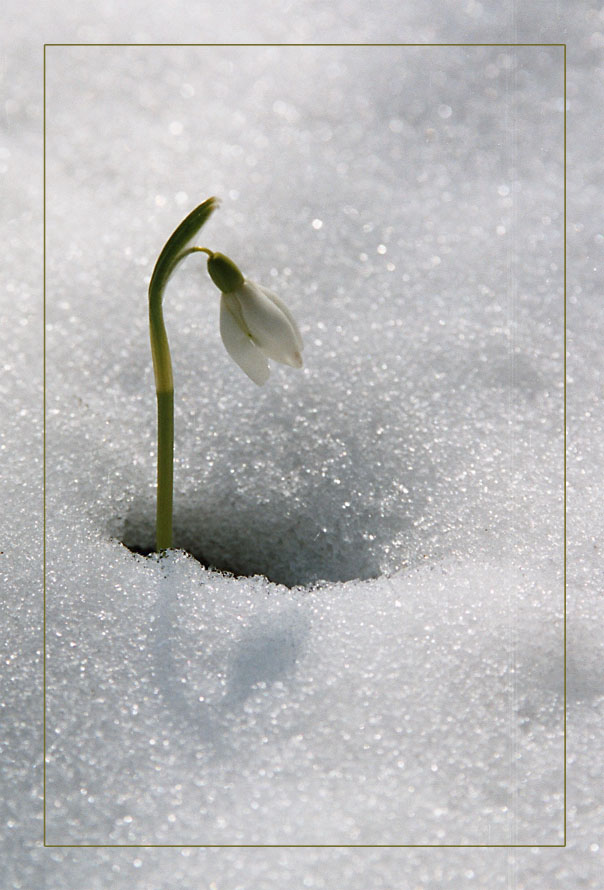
178 241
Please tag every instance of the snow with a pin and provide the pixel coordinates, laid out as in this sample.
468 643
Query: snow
369 647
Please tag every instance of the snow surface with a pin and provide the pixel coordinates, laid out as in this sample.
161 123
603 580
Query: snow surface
385 665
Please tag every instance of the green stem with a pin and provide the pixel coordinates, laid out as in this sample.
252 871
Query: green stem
165 469
174 250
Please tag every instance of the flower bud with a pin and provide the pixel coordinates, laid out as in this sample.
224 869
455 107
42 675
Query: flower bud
224 273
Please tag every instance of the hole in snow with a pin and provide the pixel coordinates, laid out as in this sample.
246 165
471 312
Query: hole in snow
294 550
353 502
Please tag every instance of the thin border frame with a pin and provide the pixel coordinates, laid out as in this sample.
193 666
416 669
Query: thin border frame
563 46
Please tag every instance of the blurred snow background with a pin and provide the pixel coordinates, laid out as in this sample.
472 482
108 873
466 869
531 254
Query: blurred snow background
399 680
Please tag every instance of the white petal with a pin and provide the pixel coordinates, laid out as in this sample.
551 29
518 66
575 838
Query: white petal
278 302
239 345
270 327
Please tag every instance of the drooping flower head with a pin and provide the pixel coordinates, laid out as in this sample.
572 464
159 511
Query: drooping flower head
255 325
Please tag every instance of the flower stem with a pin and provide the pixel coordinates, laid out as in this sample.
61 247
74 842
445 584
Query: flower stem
174 250
165 469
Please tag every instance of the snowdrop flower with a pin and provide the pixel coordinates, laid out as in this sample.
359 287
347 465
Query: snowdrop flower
255 325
